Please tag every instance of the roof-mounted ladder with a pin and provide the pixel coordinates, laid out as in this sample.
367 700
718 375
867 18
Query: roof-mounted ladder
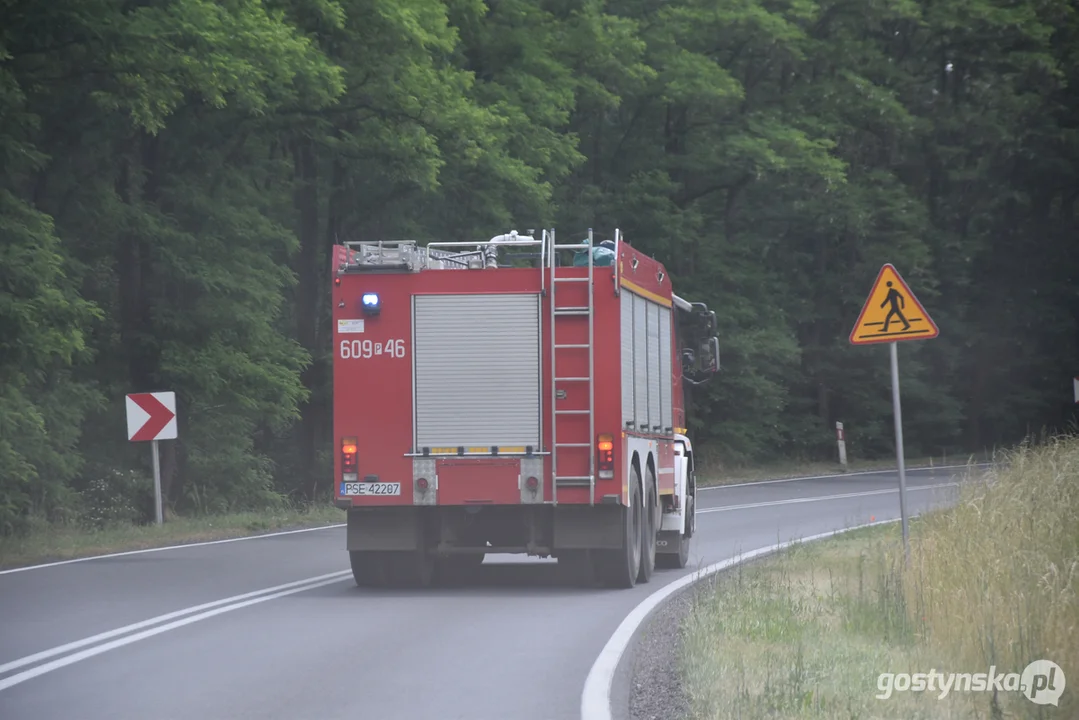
571 313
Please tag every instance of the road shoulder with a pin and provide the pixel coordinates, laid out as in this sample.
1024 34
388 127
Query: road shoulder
656 689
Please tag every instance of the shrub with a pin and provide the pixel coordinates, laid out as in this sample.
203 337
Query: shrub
116 497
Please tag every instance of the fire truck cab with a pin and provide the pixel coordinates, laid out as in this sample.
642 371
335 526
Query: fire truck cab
513 395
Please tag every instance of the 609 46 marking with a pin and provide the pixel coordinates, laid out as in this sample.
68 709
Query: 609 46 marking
362 349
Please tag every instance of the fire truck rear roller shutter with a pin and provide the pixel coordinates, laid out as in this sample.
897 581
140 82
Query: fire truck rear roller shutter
477 370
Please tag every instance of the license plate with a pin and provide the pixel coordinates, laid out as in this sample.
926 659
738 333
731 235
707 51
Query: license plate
370 488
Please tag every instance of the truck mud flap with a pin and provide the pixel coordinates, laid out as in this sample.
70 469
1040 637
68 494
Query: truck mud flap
668 541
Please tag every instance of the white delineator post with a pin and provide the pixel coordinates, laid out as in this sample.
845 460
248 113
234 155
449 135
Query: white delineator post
897 411
841 442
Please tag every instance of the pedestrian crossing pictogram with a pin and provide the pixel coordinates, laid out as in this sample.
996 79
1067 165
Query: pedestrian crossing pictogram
892 313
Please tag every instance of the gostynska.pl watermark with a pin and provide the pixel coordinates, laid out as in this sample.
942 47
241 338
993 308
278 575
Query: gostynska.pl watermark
1041 682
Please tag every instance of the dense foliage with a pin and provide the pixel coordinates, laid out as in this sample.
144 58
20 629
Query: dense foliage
175 171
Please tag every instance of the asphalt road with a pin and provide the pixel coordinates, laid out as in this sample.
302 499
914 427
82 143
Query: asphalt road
518 643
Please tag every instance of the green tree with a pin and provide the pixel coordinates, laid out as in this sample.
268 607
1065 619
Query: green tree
149 120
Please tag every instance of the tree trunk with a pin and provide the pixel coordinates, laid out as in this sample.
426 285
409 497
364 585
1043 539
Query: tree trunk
307 306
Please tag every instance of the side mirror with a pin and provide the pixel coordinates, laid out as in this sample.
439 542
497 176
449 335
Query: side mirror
699 366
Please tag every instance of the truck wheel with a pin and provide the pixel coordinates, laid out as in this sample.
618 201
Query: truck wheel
579 567
619 568
679 560
368 568
648 531
411 568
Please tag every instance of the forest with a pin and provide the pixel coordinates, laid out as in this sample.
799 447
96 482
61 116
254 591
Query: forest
173 174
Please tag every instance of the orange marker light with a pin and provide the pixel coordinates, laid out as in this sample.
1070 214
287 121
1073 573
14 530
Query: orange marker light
605 450
348 455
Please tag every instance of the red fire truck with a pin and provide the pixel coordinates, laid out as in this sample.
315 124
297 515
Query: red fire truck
514 395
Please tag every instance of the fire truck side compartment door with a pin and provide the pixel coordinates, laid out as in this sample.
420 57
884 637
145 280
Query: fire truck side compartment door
629 412
476 370
666 389
655 419
640 361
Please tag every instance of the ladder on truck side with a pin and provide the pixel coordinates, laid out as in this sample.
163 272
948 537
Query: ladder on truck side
561 316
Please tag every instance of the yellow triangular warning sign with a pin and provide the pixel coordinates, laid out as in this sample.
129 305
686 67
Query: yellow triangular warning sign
892 313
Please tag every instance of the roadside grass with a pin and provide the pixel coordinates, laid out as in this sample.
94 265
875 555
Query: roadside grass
50 542
712 474
993 581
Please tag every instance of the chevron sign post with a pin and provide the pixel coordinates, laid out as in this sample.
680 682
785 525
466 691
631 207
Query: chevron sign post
152 417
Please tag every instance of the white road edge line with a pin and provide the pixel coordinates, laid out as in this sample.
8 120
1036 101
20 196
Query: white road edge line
170 547
34 672
794 501
596 697
838 475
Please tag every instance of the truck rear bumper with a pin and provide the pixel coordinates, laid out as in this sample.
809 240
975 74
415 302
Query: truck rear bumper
541 530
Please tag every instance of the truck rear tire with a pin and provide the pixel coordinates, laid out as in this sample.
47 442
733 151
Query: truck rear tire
648 531
368 568
411 568
579 567
620 568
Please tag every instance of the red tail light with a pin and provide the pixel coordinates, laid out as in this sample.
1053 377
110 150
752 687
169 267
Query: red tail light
605 456
348 456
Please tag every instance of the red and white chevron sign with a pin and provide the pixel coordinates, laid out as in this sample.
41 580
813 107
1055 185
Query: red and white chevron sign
151 416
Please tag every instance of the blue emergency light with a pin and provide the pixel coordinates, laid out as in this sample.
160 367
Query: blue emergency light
371 303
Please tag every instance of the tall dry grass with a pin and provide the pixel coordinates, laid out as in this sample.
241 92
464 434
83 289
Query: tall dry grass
995 580
992 581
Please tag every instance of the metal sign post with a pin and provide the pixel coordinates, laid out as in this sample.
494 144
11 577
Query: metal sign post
157 485
897 412
892 314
